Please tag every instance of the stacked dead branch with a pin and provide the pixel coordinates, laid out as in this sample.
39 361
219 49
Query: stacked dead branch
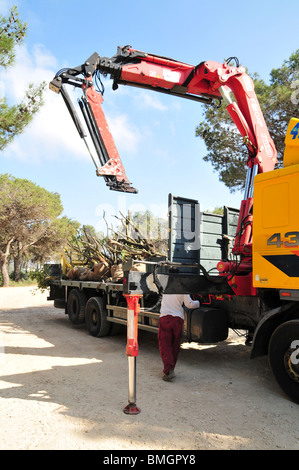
101 259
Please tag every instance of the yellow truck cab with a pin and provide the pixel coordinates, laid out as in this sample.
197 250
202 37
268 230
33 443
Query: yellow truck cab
276 221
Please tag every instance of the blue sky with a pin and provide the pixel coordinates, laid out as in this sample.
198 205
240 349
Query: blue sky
155 134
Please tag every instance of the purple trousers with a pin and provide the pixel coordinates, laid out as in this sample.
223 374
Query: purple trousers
169 337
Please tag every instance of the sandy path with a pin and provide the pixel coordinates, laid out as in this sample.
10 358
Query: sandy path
60 388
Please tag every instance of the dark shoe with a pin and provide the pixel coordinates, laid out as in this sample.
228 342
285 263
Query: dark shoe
169 376
166 378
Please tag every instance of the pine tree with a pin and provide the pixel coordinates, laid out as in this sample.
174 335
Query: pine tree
14 118
279 103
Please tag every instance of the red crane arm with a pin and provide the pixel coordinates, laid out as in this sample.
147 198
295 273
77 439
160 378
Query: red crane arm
209 80
206 82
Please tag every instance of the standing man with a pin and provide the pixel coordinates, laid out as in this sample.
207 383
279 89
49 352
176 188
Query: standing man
170 329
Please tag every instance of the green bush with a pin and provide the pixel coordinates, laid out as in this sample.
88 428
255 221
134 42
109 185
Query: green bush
41 276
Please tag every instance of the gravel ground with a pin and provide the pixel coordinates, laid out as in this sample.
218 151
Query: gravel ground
61 389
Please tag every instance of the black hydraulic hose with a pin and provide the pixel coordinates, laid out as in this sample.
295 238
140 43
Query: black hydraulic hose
93 131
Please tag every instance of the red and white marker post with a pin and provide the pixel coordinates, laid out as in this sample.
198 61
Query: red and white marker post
132 350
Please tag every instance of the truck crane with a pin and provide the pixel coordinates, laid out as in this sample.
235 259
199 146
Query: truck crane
206 82
261 281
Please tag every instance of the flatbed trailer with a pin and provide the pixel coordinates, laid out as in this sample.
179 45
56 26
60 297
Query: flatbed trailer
102 306
73 296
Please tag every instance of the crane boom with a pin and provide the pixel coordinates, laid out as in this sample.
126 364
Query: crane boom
206 82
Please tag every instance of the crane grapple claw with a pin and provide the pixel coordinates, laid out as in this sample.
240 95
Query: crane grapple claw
121 186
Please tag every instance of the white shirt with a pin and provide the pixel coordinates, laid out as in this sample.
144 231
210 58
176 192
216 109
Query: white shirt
172 304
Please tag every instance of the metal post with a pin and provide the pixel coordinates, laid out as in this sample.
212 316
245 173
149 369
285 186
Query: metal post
132 379
132 350
253 174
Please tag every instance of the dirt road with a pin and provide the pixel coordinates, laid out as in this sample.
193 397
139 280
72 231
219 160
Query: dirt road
60 388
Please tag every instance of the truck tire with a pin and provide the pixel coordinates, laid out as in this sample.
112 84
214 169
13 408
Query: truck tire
76 303
284 357
96 317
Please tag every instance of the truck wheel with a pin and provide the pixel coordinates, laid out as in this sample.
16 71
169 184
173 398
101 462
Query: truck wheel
76 306
96 317
284 357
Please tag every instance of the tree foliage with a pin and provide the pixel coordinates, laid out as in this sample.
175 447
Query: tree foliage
12 33
29 220
14 118
225 149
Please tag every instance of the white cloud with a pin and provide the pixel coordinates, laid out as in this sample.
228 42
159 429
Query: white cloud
43 59
52 131
28 68
147 100
126 135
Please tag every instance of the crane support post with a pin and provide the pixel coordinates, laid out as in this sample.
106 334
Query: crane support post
132 324
132 350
